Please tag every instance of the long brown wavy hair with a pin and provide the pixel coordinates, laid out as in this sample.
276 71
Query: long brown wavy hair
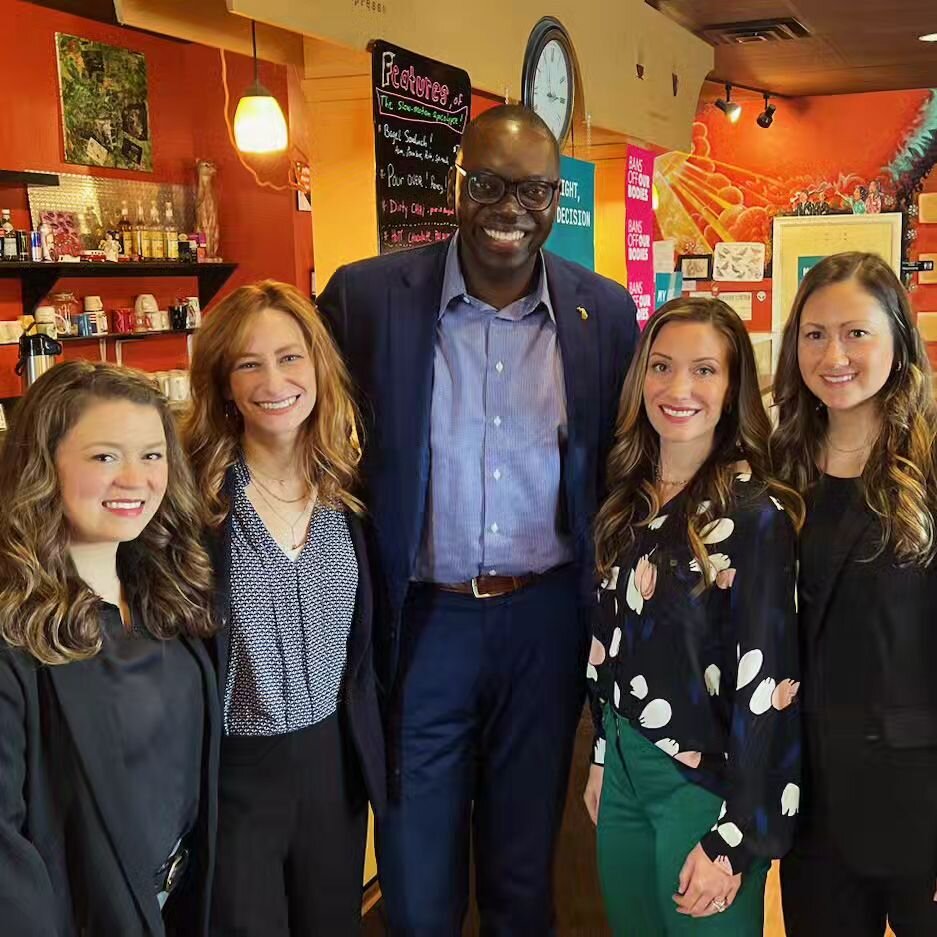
45 607
900 476
741 435
329 438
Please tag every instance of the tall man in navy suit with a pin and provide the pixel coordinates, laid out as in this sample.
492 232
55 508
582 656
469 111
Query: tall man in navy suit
490 372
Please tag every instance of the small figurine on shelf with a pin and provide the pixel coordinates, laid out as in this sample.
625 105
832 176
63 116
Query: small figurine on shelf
206 208
111 247
48 241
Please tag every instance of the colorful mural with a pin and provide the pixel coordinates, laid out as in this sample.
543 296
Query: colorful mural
852 153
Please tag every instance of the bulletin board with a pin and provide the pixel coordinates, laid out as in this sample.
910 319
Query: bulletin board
798 237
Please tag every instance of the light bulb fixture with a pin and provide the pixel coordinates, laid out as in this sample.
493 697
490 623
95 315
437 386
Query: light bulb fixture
930 37
732 109
766 117
259 124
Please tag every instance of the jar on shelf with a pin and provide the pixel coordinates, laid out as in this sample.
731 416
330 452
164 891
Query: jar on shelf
67 306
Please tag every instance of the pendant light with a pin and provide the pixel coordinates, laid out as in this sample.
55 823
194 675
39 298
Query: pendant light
259 125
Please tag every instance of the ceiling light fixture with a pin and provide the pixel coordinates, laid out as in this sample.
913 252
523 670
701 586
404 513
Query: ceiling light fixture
930 37
766 117
732 109
259 125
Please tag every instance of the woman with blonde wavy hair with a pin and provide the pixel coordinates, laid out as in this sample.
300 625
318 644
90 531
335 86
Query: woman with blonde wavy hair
271 437
693 668
856 434
109 716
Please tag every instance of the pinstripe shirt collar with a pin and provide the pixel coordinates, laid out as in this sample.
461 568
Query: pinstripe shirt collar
454 289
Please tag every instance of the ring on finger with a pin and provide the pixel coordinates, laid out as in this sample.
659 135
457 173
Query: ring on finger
719 904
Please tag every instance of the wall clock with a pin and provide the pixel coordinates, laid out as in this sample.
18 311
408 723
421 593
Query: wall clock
548 76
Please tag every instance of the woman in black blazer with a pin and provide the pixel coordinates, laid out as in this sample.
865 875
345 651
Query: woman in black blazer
109 720
856 434
271 438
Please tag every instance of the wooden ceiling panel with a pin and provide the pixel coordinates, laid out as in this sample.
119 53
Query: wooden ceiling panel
855 45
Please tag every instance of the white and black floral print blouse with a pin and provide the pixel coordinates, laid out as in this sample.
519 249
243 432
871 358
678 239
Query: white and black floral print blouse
711 677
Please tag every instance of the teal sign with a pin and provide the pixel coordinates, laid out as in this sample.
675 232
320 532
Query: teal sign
805 265
668 286
573 235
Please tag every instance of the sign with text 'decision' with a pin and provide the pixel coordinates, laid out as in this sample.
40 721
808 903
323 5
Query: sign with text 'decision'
639 230
421 108
573 234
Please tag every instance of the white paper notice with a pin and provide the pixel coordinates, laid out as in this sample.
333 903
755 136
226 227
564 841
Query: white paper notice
664 256
740 302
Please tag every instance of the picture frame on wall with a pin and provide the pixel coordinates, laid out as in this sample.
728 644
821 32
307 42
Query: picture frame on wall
695 266
104 97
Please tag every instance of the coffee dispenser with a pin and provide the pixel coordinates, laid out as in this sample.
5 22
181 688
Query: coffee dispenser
38 353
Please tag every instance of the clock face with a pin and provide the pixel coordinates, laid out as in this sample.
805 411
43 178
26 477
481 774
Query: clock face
552 88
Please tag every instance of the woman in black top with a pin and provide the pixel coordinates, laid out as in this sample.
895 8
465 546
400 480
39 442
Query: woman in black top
271 437
694 671
856 433
109 720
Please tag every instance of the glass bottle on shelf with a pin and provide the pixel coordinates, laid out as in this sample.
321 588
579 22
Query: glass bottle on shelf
94 227
141 236
171 234
157 236
125 229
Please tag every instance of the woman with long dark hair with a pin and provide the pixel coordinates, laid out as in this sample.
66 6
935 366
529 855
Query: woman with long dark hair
856 434
109 717
693 666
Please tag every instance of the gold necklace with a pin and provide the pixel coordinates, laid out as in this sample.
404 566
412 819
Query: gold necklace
303 497
294 545
670 482
866 445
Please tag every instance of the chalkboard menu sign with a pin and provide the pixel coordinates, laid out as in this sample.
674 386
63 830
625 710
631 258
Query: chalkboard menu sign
421 108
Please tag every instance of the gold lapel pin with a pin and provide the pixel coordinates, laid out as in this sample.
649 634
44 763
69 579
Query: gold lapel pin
583 312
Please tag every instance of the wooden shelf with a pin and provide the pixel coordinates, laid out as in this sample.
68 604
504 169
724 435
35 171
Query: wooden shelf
38 279
25 177
126 336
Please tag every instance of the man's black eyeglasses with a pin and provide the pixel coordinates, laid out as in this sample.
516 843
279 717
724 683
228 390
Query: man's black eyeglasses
486 188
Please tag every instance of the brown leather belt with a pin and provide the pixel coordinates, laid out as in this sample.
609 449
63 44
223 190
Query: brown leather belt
488 587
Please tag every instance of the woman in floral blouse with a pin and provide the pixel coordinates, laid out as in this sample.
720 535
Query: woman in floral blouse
694 665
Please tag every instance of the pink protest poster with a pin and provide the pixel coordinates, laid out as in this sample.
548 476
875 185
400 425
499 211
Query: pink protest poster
639 236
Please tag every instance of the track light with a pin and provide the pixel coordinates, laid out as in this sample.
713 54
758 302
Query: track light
259 125
730 108
766 117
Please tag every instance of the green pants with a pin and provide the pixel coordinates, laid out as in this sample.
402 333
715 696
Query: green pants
650 817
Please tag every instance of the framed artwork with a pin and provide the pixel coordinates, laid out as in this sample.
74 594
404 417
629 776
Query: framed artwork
696 266
105 109
66 232
800 242
302 182
739 261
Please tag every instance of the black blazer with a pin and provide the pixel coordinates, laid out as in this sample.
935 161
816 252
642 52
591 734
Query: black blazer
901 745
358 701
383 314
66 802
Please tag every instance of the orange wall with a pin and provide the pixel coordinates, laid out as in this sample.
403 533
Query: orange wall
260 228
739 176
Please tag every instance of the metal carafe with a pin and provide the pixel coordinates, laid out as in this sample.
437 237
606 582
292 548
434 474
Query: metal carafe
37 355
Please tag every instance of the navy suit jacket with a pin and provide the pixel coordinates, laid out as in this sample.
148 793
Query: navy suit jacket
383 313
